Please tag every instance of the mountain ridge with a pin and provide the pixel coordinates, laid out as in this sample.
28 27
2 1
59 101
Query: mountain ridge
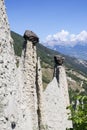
78 50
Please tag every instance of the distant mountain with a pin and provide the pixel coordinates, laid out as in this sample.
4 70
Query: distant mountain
78 51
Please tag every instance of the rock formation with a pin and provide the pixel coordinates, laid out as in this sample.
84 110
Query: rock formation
8 76
57 98
29 72
41 110
23 104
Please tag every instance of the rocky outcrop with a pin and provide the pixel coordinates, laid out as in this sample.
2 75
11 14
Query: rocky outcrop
23 104
29 59
9 97
57 99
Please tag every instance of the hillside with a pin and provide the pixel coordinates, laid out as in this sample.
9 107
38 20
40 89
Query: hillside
75 68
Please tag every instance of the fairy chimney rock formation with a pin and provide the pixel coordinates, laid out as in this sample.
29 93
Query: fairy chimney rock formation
57 98
58 61
29 61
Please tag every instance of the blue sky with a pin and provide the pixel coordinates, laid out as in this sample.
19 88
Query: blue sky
47 17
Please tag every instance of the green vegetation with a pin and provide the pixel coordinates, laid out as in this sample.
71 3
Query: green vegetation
78 109
85 87
74 77
18 43
45 79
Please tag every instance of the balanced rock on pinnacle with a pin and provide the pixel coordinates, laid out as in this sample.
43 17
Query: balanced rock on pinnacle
31 36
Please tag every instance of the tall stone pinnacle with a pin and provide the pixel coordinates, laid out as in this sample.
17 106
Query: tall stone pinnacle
57 98
29 58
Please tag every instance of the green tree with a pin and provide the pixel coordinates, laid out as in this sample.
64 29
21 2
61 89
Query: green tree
79 113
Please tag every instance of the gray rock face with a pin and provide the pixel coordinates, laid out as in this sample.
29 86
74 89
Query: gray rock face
40 98
29 60
9 101
56 100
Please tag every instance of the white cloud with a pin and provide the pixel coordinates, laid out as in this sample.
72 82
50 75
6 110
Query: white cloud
65 38
61 36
